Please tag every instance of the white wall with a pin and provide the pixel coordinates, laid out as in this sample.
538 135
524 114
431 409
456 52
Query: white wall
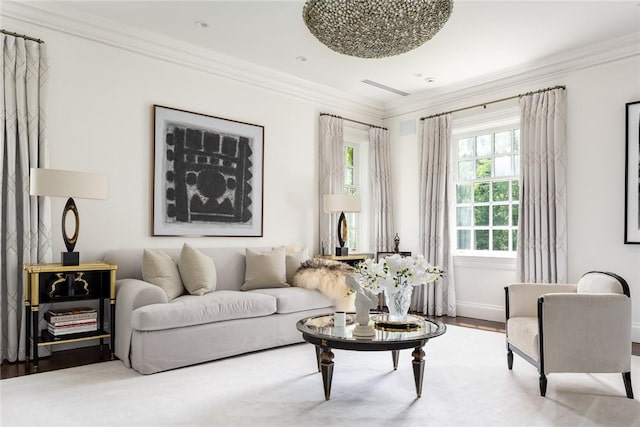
101 119
596 100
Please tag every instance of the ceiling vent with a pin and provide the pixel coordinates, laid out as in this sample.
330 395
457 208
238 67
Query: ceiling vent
387 88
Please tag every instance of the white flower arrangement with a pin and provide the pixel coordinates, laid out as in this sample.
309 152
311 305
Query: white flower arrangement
396 271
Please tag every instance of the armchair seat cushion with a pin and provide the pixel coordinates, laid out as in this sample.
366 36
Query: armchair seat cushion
522 332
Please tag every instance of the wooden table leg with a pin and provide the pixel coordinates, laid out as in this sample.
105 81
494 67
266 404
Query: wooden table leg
35 335
318 352
326 366
27 342
418 368
394 355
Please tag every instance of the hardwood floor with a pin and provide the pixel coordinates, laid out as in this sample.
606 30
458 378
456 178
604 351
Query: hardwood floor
87 355
58 360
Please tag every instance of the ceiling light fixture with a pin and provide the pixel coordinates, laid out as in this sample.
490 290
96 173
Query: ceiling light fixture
201 24
375 28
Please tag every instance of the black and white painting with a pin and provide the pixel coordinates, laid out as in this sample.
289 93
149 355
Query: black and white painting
632 167
208 175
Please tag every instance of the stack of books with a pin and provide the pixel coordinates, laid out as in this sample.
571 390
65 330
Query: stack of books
71 321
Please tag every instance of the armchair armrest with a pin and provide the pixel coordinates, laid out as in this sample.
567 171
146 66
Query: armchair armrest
586 332
521 299
130 295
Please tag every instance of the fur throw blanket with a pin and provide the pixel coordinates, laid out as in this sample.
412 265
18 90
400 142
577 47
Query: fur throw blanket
328 277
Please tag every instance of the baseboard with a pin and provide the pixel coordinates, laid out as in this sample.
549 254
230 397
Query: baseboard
476 310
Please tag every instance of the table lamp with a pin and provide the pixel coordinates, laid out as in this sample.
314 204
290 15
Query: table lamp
333 203
61 183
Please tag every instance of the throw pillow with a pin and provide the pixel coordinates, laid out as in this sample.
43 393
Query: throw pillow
293 260
265 270
161 270
197 270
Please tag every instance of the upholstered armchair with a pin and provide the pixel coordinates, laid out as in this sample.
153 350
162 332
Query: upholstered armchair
571 328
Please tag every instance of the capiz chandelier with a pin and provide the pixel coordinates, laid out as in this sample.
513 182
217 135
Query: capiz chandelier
375 28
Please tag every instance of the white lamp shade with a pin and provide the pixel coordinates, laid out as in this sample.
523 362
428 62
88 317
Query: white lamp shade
341 203
61 183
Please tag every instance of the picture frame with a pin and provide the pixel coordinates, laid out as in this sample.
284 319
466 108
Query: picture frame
382 255
207 175
632 174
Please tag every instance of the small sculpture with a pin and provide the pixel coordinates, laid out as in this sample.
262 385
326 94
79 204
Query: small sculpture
396 244
365 301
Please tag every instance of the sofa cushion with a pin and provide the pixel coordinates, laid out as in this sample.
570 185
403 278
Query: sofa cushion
265 270
161 270
293 260
197 270
188 310
523 333
290 300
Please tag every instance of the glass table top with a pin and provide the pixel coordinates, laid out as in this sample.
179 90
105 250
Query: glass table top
415 328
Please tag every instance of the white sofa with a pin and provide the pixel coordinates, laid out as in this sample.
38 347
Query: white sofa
154 334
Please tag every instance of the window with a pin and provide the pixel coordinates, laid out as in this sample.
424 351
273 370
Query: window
351 181
487 169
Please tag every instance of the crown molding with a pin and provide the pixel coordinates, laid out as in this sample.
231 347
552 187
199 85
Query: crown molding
70 21
545 69
54 16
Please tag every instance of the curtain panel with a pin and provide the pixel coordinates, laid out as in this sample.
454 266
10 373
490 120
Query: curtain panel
331 177
381 203
435 189
25 229
542 239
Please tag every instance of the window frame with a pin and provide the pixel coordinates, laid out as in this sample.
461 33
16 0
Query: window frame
507 120
353 229
358 137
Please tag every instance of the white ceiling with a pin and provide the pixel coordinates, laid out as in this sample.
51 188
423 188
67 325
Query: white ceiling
480 38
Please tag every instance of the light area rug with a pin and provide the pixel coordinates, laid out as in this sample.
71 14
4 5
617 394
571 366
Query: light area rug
466 383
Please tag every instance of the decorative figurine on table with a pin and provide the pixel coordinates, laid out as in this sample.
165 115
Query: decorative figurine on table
396 244
365 301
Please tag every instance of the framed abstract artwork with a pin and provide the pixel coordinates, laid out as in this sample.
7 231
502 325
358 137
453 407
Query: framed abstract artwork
208 175
632 174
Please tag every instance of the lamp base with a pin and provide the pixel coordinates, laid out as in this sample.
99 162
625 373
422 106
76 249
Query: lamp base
342 251
70 258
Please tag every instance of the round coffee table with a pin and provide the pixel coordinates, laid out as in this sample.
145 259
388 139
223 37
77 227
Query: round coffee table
389 336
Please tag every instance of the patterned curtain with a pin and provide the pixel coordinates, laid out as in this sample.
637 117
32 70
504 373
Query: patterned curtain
381 204
436 187
542 240
26 221
331 176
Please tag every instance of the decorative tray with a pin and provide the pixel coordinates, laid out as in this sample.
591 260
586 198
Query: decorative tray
382 322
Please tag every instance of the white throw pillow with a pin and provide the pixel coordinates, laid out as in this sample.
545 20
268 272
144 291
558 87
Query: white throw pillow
197 270
161 270
293 260
265 270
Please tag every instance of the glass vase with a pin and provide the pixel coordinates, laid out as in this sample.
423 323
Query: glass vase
398 301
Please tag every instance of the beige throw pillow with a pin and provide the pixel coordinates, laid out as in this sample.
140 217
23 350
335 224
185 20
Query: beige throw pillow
197 270
293 260
265 270
161 270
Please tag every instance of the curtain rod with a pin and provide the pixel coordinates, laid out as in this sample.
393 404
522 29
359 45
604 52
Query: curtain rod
353 121
22 36
484 104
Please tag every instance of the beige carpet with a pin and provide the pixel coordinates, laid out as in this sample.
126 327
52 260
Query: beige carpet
467 383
